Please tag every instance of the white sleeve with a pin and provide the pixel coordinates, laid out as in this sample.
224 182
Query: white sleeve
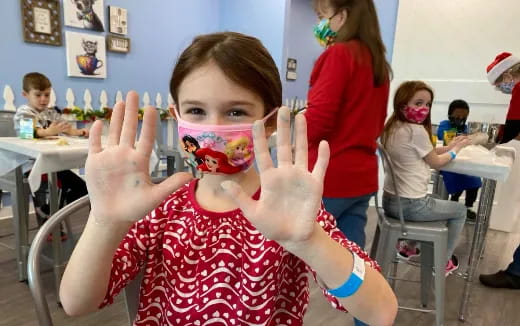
421 141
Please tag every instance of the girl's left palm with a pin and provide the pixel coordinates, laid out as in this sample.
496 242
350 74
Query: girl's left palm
290 195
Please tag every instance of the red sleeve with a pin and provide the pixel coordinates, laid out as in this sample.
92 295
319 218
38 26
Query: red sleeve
513 113
328 223
329 79
129 258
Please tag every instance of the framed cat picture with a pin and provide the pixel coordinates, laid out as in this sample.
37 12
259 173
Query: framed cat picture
86 55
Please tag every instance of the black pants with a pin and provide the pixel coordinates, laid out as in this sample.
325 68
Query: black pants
72 188
471 196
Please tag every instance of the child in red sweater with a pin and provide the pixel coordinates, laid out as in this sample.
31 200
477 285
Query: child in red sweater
232 248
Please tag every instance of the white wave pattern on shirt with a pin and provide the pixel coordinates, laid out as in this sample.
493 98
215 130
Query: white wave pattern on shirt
218 270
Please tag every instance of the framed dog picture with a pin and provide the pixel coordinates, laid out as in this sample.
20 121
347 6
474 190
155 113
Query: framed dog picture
41 21
87 14
118 20
86 55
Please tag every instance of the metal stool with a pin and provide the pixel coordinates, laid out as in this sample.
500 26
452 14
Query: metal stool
388 232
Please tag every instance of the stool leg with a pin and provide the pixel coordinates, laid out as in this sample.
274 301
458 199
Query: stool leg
375 243
426 271
390 253
440 249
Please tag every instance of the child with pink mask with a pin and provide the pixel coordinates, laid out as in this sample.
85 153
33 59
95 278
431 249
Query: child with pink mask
407 138
234 247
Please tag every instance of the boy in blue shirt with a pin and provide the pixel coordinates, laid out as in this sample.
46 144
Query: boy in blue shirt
456 183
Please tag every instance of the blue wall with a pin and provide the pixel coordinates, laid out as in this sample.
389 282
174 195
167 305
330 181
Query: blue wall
301 45
158 30
263 19
387 14
300 42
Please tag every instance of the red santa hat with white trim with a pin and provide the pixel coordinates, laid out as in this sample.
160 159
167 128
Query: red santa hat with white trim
502 63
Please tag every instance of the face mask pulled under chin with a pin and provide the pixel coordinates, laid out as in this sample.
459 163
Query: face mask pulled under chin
217 149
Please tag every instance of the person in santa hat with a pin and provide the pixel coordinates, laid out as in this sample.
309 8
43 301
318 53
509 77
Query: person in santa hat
504 74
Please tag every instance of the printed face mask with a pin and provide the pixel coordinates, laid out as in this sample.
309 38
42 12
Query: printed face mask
457 123
218 149
323 33
416 114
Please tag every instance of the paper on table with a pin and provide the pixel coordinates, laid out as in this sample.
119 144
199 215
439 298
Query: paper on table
481 162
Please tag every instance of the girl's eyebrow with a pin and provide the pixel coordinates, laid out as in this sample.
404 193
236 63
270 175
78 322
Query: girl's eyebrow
239 103
230 103
192 102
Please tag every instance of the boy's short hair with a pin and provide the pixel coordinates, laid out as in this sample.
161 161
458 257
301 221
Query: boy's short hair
457 104
35 80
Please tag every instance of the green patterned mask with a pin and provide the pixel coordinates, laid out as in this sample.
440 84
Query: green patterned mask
323 33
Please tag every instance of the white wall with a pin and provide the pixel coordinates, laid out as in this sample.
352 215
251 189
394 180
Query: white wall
449 43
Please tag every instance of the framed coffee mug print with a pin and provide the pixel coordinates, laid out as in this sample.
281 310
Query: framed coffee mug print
86 55
41 21
118 44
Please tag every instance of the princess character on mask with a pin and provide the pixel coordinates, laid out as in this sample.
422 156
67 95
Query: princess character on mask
190 145
237 150
215 162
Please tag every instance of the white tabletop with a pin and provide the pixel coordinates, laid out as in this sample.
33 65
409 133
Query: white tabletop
45 156
478 161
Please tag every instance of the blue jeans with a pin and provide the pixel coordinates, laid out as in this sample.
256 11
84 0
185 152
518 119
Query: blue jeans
430 209
351 217
514 267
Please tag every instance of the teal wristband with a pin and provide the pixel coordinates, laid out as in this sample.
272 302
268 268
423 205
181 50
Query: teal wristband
453 155
354 281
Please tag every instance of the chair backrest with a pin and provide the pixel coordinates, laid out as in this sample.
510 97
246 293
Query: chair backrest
388 168
7 124
162 144
35 282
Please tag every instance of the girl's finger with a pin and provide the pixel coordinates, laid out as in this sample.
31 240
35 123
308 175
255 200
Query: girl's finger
147 136
263 158
130 120
301 156
94 141
322 162
116 123
283 137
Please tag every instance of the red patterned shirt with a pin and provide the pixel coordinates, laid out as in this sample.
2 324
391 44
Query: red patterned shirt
207 268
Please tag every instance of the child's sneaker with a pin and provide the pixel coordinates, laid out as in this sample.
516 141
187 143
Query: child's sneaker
406 252
452 265
471 216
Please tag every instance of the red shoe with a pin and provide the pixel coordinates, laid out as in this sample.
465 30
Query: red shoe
63 237
406 252
452 265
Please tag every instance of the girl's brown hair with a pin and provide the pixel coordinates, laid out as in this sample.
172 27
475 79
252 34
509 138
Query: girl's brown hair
242 58
362 24
403 95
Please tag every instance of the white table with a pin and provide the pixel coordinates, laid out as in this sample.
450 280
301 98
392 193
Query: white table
491 168
41 156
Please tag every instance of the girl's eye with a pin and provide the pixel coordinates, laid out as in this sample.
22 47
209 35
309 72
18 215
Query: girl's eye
237 113
195 111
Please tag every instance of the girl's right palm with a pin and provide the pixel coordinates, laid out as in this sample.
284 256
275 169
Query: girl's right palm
117 176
